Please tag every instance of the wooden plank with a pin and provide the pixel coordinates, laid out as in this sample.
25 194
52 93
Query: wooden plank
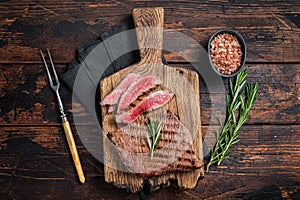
265 162
27 99
259 146
263 153
271 26
35 164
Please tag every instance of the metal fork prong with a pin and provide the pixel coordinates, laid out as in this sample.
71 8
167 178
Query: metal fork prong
48 72
53 68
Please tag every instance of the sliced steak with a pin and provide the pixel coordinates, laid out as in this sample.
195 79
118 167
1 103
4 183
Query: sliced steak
113 97
175 151
136 89
153 101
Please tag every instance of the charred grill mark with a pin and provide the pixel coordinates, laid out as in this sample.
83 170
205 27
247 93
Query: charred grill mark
132 139
143 95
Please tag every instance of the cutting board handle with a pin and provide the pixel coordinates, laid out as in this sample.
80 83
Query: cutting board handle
149 31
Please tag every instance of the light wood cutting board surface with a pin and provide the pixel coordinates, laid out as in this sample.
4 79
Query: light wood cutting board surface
183 82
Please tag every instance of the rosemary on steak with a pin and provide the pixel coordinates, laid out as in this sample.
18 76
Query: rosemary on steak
154 135
239 101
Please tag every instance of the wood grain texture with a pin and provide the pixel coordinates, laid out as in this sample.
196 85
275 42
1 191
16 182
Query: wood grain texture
35 162
182 82
146 19
267 27
26 97
265 165
73 150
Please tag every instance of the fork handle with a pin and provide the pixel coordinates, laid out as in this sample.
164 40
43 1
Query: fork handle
73 149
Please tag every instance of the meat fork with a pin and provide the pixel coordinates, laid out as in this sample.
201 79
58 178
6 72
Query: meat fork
65 122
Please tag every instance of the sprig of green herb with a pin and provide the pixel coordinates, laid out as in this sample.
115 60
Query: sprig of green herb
239 101
154 135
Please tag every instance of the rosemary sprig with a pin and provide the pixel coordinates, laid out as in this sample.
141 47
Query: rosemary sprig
239 101
154 135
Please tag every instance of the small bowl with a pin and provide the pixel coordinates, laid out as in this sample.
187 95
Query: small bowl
243 49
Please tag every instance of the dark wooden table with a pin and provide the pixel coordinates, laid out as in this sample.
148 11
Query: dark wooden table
35 162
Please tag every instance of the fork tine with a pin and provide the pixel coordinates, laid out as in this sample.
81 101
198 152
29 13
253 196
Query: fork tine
53 68
46 66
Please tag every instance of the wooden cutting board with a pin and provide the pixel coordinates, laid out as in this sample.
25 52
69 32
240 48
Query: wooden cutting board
183 82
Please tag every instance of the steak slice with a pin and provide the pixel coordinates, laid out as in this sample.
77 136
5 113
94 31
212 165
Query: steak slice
153 101
113 97
136 89
175 151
